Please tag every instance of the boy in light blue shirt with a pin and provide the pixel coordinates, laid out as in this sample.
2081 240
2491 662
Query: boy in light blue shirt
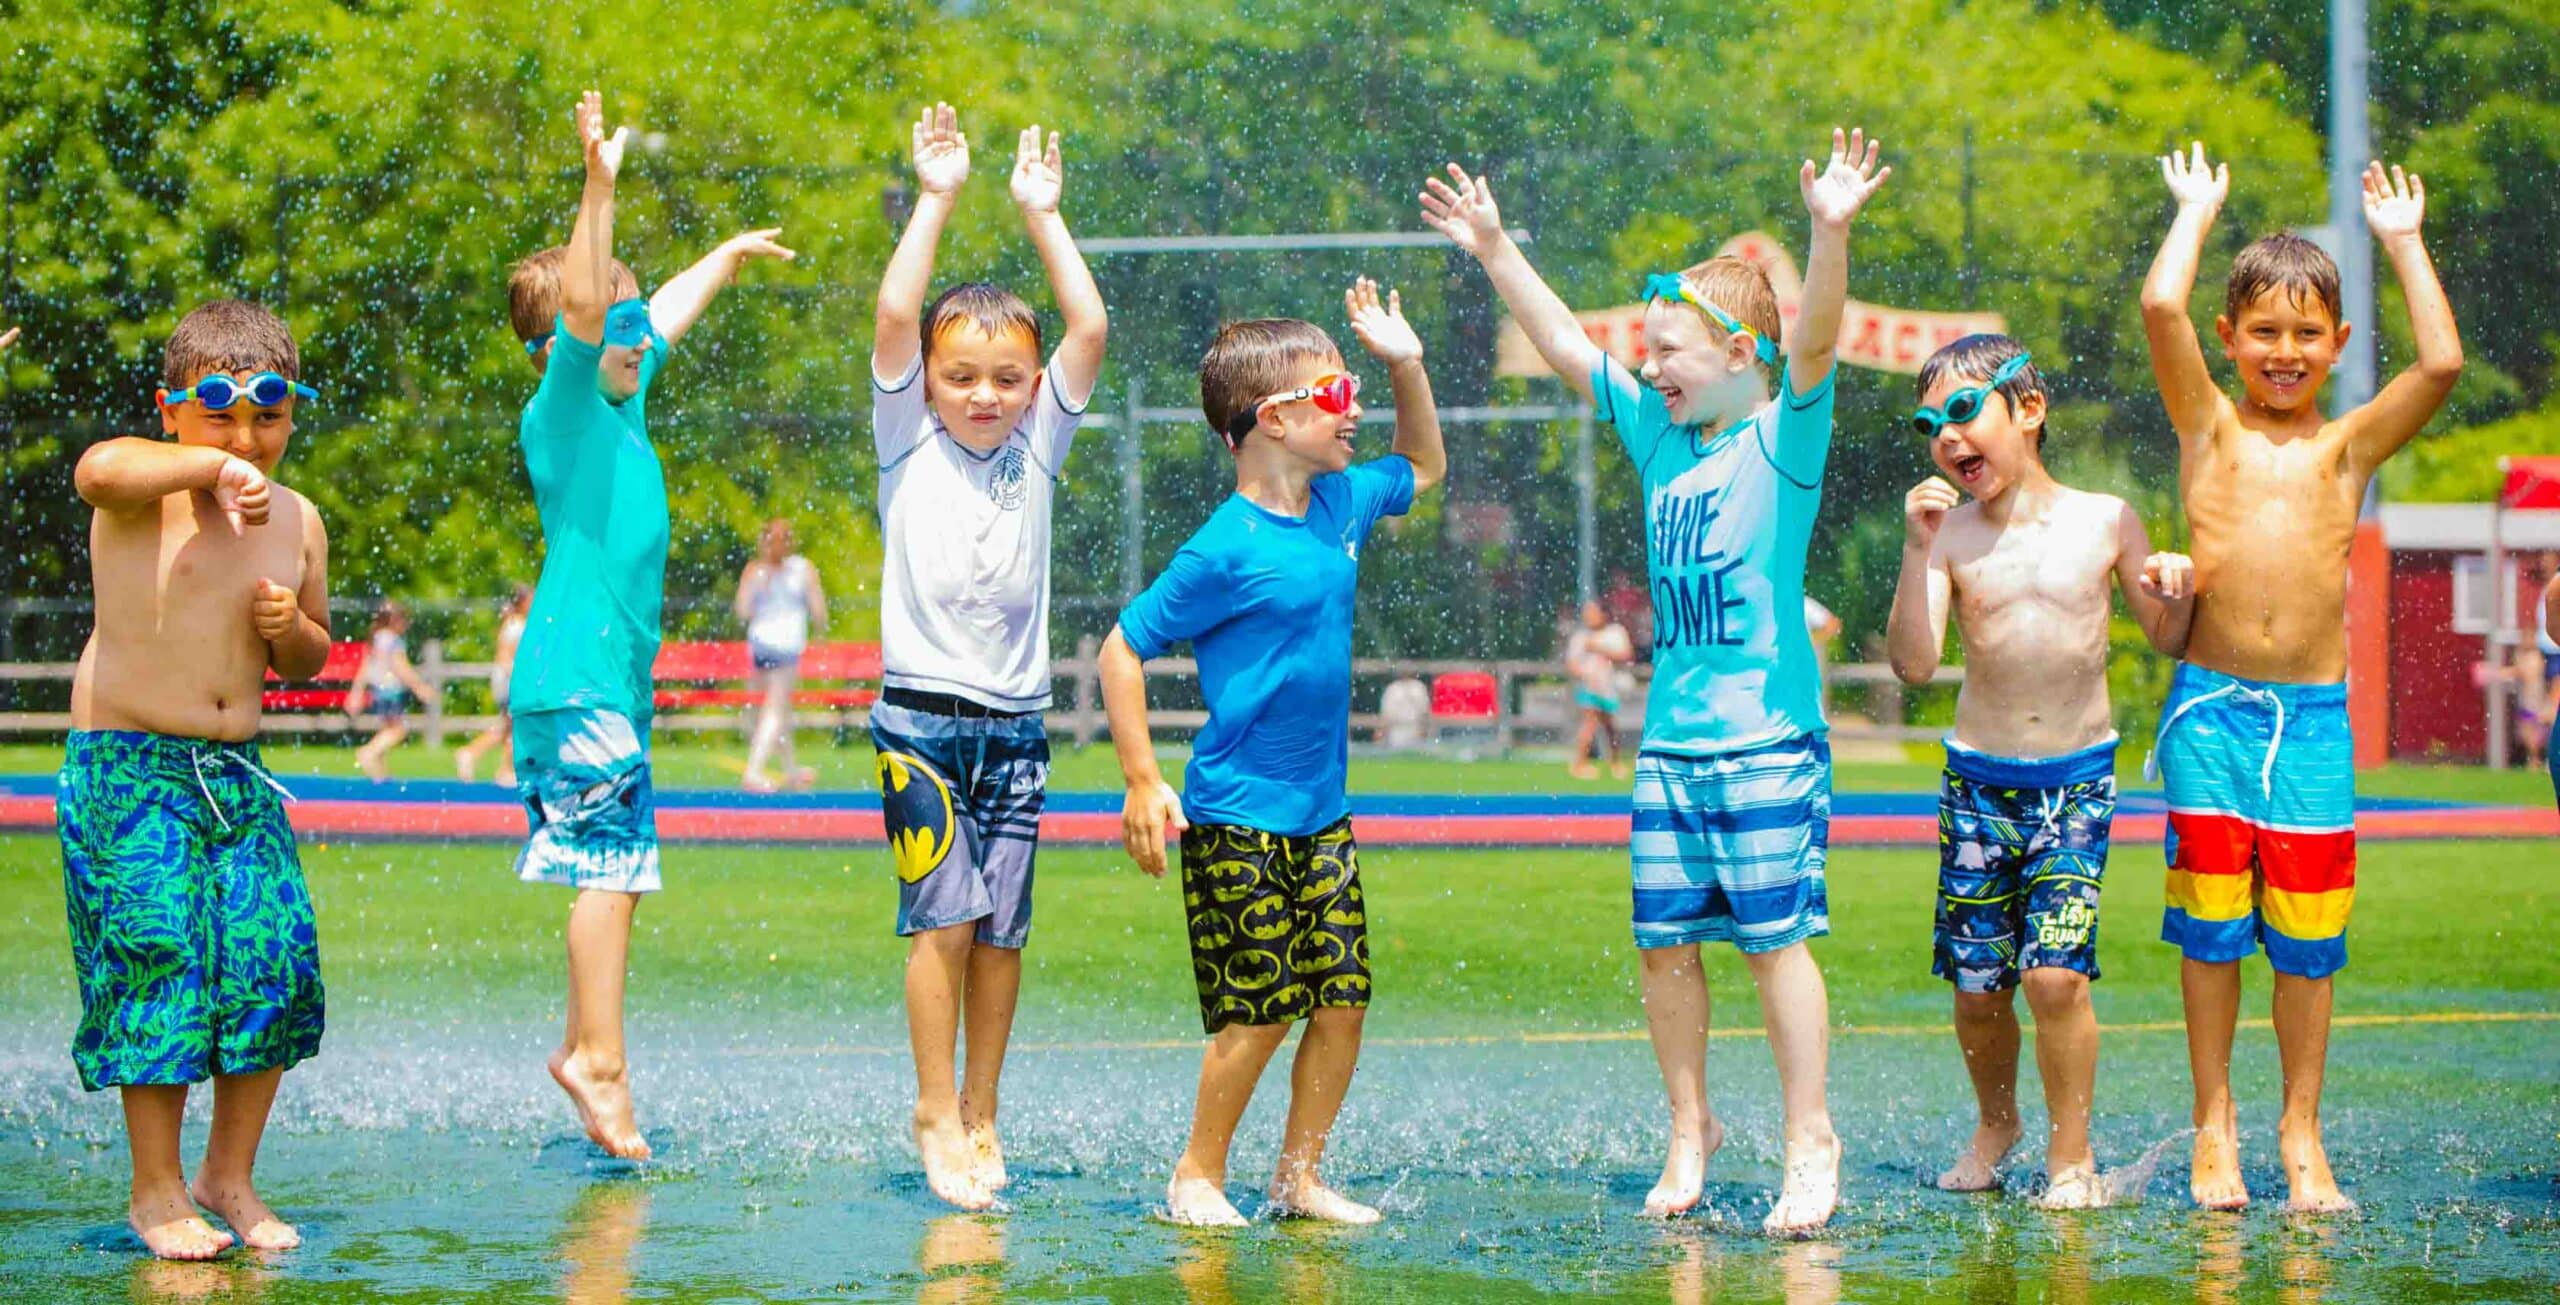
1263 592
1733 782
582 695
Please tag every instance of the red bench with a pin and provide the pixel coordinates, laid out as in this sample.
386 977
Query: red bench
702 675
326 691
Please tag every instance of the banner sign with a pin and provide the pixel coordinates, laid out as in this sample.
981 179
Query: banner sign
1871 336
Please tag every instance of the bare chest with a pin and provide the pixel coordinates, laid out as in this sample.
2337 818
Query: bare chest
2052 568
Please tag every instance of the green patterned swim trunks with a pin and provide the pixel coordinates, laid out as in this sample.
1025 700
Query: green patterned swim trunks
191 930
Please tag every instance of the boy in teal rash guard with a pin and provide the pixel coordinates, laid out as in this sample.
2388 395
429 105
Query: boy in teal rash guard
1263 592
581 696
1733 782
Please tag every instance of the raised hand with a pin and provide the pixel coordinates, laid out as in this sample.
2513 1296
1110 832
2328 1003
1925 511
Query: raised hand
1925 509
1038 176
241 491
941 150
1145 816
9 337
272 610
2169 577
2395 203
758 244
1835 193
604 153
2193 184
1464 212
1382 329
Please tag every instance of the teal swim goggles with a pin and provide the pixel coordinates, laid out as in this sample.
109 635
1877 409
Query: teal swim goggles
1965 404
1673 286
626 324
265 390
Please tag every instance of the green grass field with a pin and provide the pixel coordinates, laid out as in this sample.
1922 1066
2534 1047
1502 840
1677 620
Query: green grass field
1507 1113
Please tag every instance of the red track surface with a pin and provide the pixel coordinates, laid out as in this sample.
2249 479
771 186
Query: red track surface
318 818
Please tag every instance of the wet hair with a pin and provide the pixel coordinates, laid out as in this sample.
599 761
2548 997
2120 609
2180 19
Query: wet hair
1979 358
533 290
1738 286
990 307
1250 360
228 335
2284 262
521 600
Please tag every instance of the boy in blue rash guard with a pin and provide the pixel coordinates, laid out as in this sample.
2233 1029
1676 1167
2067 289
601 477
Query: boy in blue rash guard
2029 795
1733 782
1263 592
581 698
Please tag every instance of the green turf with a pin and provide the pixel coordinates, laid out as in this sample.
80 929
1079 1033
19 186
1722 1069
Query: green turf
715 761
432 1162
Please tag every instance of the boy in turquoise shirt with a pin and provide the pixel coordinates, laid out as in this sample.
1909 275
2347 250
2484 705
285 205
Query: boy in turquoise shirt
582 697
1733 782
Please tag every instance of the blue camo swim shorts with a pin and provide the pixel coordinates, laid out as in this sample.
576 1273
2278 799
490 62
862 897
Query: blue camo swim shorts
584 778
2022 845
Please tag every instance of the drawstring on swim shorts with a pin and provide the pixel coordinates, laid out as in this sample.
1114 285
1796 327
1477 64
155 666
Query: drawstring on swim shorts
195 756
2263 697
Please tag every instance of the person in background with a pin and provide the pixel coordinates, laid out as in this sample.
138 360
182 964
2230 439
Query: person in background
781 601
1823 625
502 666
1593 653
388 686
2550 644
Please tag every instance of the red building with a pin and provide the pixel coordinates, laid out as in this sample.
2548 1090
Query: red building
2441 618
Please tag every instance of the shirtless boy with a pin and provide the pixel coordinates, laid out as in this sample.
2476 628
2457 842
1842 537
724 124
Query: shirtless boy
2030 785
190 926
2254 745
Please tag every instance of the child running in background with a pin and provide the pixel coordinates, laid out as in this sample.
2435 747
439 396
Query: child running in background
1263 593
780 600
1592 655
2029 793
1732 480
2254 745
581 695
502 665
387 685
972 431
2550 640
191 929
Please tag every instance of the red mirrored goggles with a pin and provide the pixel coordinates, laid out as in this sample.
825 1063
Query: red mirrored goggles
1333 393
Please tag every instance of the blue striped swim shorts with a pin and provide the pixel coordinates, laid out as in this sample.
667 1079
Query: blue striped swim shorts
1730 848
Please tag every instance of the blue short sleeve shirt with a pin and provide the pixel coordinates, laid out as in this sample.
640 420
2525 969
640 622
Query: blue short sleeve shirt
1728 516
594 627
1265 601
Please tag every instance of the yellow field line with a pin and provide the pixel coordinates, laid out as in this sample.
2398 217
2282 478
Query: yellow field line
1638 1035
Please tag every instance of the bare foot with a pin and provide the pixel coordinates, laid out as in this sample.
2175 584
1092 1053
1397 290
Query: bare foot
506 776
604 1105
1684 1171
466 767
2079 1187
986 1156
803 779
1582 770
238 1205
1812 1188
1199 1203
2214 1175
169 1225
1978 1169
1619 770
950 1163
2306 1168
758 784
372 767
1309 1198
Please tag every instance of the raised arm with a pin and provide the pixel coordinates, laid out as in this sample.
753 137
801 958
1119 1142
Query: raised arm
1039 180
2395 206
1390 339
1151 805
1833 197
2177 357
680 302
817 601
2159 588
132 474
1915 635
1466 214
941 155
586 275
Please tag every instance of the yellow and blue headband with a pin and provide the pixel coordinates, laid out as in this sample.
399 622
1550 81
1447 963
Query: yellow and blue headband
1672 285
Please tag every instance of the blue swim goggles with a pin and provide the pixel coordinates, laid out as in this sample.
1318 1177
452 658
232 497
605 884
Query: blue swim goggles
1965 404
217 392
1673 286
626 324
